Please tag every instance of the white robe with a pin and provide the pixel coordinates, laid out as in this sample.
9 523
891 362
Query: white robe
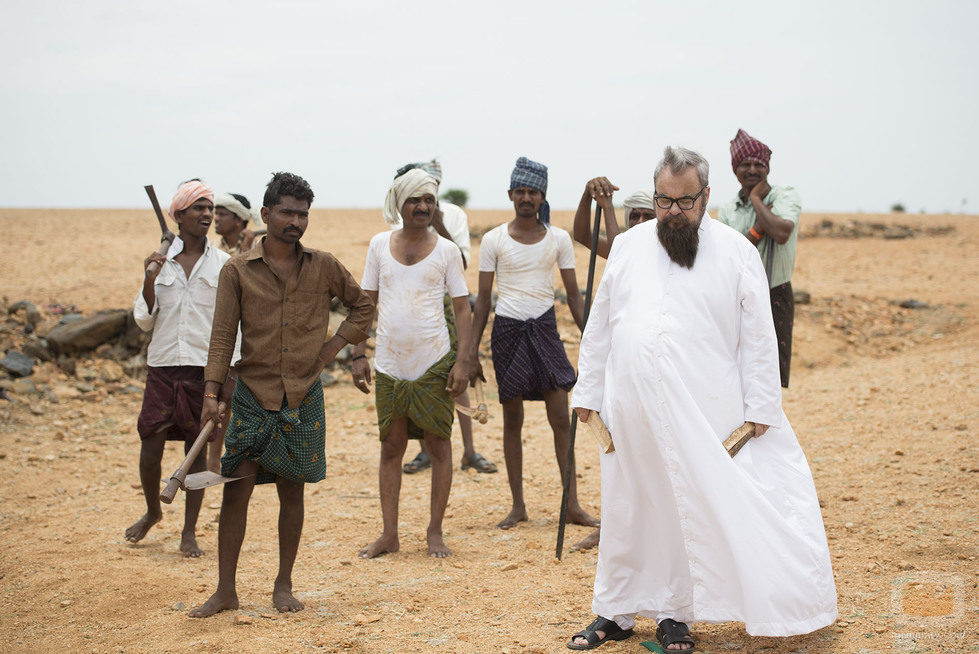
675 359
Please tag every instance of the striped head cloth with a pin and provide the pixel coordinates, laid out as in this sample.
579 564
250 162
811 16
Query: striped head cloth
744 146
433 168
530 174
414 183
187 194
638 200
234 205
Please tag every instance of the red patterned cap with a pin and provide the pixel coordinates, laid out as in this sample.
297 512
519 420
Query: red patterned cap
744 146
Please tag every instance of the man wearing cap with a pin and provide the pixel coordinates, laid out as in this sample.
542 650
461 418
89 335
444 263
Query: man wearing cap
451 222
528 355
177 304
280 294
232 216
408 274
639 208
769 217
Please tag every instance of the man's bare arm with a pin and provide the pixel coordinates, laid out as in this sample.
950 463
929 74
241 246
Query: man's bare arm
575 302
480 318
462 370
767 222
359 367
600 190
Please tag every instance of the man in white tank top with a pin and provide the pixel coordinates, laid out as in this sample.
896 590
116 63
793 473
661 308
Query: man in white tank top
407 274
528 356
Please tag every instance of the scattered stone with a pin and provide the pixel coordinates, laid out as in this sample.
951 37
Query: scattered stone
131 388
63 392
37 410
32 315
802 297
961 427
913 304
38 348
110 371
65 602
179 606
360 619
508 567
899 452
849 498
87 333
23 386
67 364
905 565
17 364
243 618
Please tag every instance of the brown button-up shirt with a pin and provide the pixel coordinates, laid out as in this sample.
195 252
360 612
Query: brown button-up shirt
283 322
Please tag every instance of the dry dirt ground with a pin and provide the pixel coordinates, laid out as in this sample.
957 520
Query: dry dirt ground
883 399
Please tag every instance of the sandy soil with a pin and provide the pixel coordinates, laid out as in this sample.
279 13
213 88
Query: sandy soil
883 399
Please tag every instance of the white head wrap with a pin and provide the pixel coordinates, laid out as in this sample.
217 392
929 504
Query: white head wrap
414 183
638 200
232 204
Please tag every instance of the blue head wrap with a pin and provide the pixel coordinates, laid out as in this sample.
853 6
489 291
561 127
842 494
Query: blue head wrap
530 174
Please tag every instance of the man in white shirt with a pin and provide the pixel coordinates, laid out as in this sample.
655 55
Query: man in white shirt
528 356
407 274
450 222
177 304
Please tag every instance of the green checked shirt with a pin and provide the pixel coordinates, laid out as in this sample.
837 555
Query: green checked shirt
785 203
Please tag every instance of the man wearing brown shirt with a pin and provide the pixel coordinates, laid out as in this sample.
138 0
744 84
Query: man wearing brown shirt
280 293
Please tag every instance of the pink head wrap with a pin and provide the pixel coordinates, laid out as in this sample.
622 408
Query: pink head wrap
744 147
188 193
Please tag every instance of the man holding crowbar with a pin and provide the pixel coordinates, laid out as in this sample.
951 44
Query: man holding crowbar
177 303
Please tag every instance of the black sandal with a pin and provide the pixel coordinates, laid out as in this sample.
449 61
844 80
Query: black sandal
670 632
421 462
480 463
590 634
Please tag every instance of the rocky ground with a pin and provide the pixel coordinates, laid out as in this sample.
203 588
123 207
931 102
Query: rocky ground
883 400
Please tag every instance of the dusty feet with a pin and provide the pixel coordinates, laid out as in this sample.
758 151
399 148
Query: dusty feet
515 516
189 547
588 542
283 599
436 546
383 545
138 530
216 603
577 516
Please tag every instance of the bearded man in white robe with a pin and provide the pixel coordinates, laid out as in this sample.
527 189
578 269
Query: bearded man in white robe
680 351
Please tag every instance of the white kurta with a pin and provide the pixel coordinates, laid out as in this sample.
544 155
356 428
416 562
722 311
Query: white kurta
675 359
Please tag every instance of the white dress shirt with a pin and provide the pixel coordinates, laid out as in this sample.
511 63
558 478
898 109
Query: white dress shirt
183 310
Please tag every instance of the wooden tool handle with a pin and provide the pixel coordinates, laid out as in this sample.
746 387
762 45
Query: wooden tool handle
177 478
164 247
739 437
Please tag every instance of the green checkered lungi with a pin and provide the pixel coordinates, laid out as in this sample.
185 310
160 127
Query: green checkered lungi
424 401
289 443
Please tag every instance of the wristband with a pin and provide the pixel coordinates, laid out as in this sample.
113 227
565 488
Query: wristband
754 232
359 356
211 395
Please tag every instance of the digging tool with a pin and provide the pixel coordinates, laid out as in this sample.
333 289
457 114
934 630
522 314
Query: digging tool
168 236
569 466
177 479
739 437
480 413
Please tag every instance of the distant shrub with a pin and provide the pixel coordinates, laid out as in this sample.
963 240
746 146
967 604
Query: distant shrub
897 207
456 196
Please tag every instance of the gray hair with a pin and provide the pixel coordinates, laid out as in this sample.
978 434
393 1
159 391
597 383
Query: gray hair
679 159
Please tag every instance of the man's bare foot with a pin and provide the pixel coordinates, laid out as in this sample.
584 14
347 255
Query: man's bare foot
588 542
189 548
283 599
436 547
383 545
579 517
138 529
215 604
515 516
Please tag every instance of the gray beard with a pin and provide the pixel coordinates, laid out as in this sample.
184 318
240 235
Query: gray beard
680 242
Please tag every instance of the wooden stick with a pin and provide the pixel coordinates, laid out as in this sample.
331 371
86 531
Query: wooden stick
168 236
563 519
178 477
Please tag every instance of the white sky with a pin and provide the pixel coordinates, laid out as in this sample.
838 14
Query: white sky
864 103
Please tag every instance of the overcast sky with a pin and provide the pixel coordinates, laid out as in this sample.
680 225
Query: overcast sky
864 104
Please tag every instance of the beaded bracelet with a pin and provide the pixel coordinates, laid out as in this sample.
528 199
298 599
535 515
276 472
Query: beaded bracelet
211 395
